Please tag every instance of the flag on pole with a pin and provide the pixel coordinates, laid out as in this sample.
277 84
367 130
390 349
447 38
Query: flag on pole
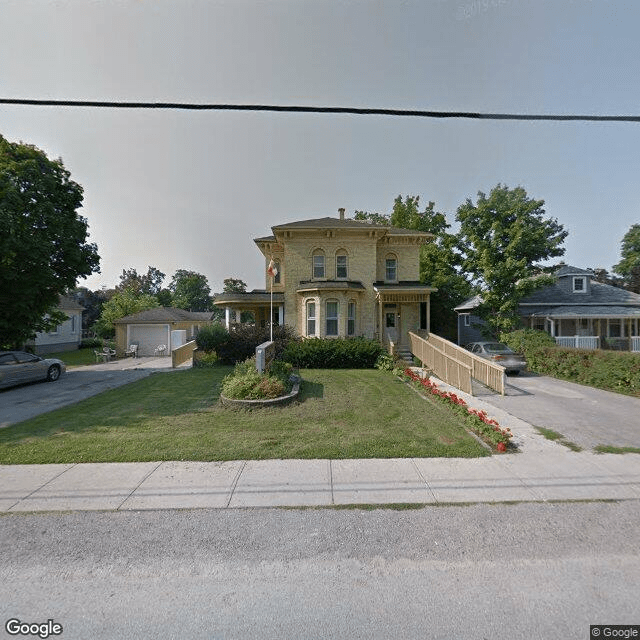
271 269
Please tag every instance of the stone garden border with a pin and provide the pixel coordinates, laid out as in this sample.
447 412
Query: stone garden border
271 402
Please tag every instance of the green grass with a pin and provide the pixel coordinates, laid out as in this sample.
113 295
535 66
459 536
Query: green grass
77 358
550 434
176 416
606 448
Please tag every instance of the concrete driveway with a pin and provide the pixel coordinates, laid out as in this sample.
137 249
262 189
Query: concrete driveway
27 401
585 416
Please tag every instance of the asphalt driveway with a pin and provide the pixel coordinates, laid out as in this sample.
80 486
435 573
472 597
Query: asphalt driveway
26 401
585 416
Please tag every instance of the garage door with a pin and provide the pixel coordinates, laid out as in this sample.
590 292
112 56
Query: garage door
148 337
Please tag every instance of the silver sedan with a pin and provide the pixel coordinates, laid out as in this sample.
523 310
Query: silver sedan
19 367
499 353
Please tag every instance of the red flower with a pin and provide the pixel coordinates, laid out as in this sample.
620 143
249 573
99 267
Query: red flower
502 446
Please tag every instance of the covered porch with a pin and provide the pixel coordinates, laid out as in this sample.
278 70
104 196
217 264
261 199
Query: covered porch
591 328
256 304
400 309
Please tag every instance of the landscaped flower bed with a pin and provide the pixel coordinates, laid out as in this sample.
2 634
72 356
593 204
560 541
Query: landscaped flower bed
478 421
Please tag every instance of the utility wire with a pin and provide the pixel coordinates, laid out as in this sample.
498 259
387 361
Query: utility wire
305 109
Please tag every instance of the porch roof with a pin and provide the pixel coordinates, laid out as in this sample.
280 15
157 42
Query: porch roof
257 297
584 311
330 285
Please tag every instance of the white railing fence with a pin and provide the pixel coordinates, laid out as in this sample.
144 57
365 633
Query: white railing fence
578 342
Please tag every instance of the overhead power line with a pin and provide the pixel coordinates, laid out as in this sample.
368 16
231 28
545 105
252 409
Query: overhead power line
100 104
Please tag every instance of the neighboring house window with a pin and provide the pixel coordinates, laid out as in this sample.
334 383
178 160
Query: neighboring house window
73 324
311 318
332 318
615 328
467 319
341 265
351 319
579 284
391 269
318 264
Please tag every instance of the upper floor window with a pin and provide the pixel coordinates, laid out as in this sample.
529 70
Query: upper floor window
579 284
277 280
331 318
341 264
391 268
318 264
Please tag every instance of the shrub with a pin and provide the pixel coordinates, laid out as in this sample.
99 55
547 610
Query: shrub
612 370
210 337
334 353
244 338
245 383
91 343
205 359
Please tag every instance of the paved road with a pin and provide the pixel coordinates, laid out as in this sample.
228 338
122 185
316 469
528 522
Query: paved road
584 415
525 571
27 401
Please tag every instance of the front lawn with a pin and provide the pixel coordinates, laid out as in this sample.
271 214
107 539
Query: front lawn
176 416
75 358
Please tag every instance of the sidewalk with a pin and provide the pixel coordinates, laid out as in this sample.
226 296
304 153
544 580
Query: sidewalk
542 470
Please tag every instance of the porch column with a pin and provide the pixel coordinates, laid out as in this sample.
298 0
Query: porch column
281 314
428 314
227 317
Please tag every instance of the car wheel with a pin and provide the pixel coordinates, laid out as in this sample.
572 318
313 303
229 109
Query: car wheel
54 373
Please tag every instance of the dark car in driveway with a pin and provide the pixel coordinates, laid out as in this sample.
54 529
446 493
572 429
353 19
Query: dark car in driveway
499 353
20 367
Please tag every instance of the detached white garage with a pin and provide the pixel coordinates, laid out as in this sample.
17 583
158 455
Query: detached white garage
149 337
159 327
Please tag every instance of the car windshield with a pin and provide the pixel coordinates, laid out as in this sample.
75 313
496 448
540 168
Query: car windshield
497 347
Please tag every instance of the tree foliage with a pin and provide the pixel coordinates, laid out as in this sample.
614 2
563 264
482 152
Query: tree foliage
149 283
43 241
629 266
122 303
501 240
234 285
190 291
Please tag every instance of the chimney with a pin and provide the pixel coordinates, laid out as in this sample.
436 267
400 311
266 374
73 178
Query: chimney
341 212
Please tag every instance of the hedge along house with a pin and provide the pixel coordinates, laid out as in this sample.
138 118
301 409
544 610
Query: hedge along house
154 328
338 277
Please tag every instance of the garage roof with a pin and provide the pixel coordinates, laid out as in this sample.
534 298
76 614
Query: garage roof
165 314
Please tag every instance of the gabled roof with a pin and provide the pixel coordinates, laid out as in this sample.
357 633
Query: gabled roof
568 270
165 314
69 303
600 294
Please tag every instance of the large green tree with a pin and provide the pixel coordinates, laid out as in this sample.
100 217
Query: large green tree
439 263
629 266
122 303
142 283
43 241
502 239
190 291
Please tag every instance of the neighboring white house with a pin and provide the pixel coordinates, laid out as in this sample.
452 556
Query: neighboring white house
66 336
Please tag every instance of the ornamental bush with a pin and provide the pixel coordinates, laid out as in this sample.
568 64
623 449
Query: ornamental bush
611 370
245 383
210 337
334 353
243 339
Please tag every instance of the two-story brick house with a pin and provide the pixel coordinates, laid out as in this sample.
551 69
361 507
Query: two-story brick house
340 277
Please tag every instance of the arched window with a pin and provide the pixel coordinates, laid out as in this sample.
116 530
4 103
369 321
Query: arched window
391 268
351 318
341 264
311 318
277 279
318 264
331 318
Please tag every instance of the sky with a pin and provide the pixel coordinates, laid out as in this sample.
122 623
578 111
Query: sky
191 190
